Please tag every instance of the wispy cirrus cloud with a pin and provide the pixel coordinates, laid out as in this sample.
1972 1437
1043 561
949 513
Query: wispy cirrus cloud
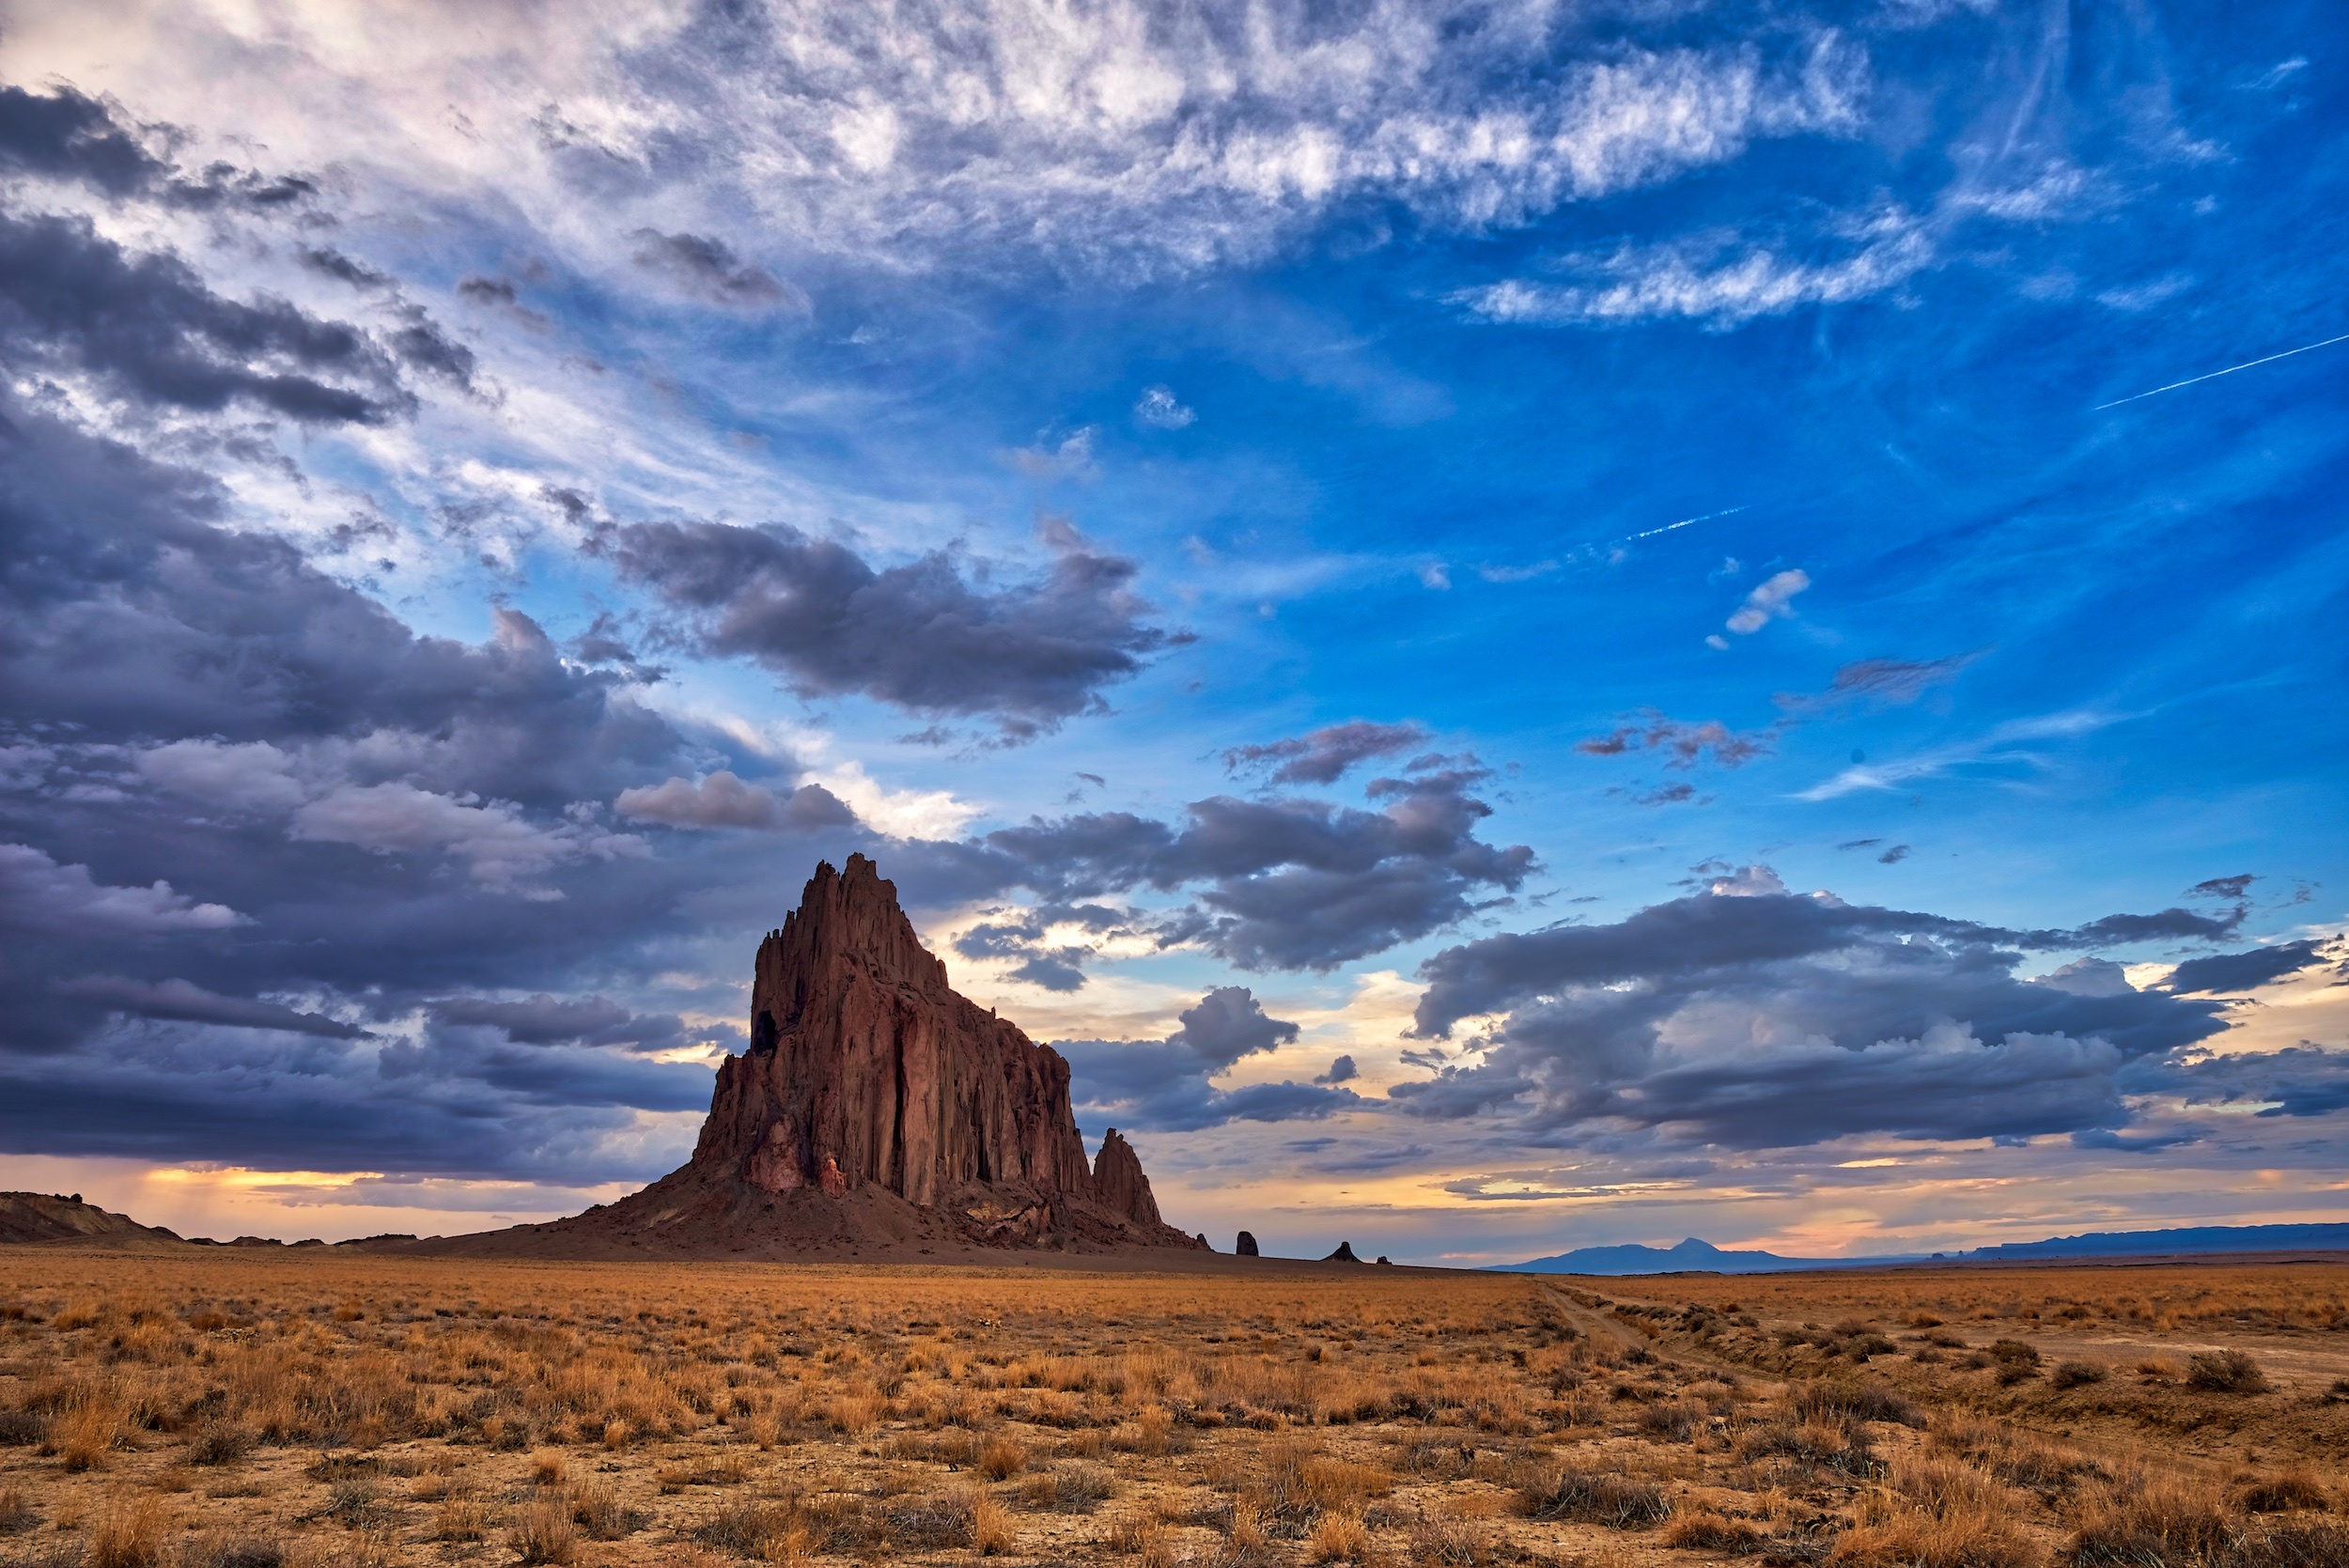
2012 744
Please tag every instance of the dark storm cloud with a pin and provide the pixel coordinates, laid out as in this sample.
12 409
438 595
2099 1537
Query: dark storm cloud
1322 756
1770 1019
188 1002
333 263
2299 1081
349 814
441 1108
421 344
921 636
133 616
708 269
1286 882
2241 972
149 327
65 136
1163 1085
549 1021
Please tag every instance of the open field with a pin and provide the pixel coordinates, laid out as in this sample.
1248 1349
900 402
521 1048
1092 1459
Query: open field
248 1410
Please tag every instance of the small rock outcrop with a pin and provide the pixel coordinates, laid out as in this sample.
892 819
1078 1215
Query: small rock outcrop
1343 1254
877 1113
1246 1246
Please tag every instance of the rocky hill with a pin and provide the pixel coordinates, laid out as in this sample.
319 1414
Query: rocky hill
41 1217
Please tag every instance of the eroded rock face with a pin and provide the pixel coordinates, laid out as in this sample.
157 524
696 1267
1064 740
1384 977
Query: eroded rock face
869 1075
1118 1184
1247 1245
864 1058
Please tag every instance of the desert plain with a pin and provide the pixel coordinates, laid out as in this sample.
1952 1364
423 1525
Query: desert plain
255 1409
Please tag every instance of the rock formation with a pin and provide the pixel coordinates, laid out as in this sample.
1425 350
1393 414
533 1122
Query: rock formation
1343 1254
877 1108
1246 1246
1118 1184
41 1217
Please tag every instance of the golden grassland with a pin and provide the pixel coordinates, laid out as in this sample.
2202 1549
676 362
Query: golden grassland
256 1412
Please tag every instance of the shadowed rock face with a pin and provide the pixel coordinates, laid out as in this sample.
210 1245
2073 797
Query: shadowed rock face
1118 1184
875 1113
861 1054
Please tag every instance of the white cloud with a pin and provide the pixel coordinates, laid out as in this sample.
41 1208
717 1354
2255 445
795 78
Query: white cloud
38 896
1115 132
724 801
932 813
1772 601
504 850
256 776
1157 405
2008 743
1687 280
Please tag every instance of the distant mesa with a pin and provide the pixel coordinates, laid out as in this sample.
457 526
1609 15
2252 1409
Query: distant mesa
1343 1254
878 1112
1246 1245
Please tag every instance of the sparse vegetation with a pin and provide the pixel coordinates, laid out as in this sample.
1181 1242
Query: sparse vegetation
343 1413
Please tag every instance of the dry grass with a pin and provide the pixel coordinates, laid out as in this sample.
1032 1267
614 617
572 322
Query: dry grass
337 1412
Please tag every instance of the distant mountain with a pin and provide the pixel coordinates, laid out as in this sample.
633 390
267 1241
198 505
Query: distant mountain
1693 1255
2199 1238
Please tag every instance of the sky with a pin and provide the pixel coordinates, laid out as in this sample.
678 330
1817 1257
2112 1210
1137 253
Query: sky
1515 625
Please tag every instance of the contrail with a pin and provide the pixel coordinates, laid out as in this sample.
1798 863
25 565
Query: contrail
1685 522
2216 374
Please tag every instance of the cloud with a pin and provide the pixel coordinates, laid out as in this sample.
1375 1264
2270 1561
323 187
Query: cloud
250 776
722 800
1768 1019
1322 756
148 328
2244 971
504 850
2298 1080
1691 280
1688 743
920 636
1108 141
2007 745
708 269
36 894
1879 683
1772 601
66 136
549 1021
1157 407
1284 882
189 1002
1163 1085
1341 1070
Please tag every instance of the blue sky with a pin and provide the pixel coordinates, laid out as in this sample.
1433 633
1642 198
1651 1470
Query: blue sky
1472 525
